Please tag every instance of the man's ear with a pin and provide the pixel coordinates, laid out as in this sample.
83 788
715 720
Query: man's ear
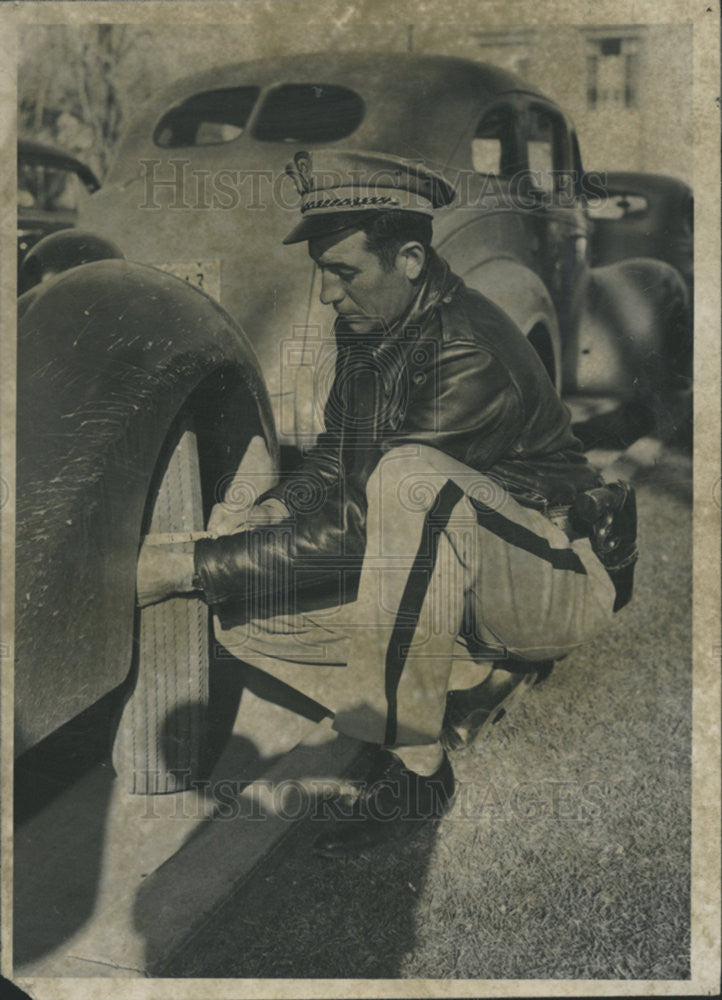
411 259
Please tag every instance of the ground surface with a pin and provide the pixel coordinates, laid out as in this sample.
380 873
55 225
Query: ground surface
566 854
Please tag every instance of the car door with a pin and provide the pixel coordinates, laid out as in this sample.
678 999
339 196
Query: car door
486 221
490 235
558 221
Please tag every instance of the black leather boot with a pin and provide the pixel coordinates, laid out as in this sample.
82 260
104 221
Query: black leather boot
393 803
472 710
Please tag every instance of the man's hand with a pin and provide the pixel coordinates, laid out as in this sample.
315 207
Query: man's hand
255 474
163 570
224 520
167 569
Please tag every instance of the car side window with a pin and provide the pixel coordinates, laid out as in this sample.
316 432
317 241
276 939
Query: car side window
493 145
615 205
206 119
304 112
548 148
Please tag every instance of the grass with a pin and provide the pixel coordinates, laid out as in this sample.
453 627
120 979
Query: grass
566 853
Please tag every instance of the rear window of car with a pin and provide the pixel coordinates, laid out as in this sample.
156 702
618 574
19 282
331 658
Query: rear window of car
302 112
206 119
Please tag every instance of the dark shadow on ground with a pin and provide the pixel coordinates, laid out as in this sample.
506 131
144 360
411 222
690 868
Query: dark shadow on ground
10 991
58 855
296 914
57 762
271 689
160 897
667 417
62 793
56 868
225 689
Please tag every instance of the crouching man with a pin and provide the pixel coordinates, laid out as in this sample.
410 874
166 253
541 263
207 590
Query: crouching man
426 522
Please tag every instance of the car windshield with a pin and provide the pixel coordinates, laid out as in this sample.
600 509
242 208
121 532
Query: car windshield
304 112
48 188
215 116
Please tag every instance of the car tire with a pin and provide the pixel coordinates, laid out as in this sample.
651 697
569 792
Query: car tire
160 736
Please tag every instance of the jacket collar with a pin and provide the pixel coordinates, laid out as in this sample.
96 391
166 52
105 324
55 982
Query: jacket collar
437 283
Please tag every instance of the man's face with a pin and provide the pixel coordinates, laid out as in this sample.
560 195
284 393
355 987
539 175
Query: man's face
355 283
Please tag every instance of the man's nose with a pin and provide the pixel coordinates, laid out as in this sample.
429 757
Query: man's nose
331 289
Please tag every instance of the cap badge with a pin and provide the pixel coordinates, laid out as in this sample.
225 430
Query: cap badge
300 172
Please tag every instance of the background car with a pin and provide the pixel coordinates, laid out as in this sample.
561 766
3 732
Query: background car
51 186
649 215
198 187
644 215
135 387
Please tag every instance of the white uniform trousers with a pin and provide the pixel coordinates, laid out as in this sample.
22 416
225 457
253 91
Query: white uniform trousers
455 573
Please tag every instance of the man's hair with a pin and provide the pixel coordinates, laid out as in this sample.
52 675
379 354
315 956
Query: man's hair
386 233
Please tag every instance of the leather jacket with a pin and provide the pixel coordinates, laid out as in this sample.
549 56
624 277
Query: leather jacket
455 373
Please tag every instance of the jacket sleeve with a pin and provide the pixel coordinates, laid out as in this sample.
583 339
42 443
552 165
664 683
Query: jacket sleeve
312 559
463 402
309 561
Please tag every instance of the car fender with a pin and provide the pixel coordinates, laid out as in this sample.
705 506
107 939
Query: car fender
60 252
633 336
523 296
109 354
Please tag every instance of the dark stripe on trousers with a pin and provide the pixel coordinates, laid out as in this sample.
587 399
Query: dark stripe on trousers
523 538
407 617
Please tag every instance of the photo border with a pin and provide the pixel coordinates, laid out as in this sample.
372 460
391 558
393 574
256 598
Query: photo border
705 917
